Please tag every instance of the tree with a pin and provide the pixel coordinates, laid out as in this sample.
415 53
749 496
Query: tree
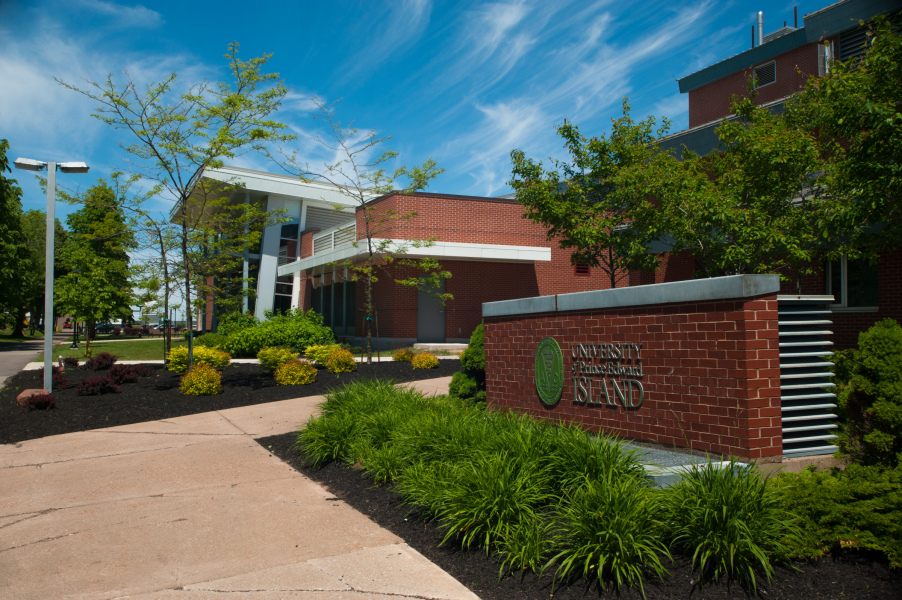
585 205
97 286
856 115
176 137
34 226
14 265
756 205
361 173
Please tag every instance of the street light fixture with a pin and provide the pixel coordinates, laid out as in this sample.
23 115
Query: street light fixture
28 164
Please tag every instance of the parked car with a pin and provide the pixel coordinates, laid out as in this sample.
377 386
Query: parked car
67 325
104 328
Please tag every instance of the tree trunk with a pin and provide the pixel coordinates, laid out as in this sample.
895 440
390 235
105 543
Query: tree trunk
19 325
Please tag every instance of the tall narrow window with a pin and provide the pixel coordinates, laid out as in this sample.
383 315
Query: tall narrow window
853 284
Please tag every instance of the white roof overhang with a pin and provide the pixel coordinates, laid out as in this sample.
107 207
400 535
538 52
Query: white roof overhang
440 250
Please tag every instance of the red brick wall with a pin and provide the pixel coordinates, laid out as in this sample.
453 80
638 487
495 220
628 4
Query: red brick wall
711 102
710 372
307 241
464 219
460 219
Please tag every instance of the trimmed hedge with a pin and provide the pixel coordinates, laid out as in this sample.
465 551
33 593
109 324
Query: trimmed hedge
296 330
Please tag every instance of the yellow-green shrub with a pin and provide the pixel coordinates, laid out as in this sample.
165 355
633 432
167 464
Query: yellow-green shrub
274 357
201 380
403 355
341 361
295 372
321 353
424 360
211 357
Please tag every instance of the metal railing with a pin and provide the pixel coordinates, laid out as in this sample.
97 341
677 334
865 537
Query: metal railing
332 239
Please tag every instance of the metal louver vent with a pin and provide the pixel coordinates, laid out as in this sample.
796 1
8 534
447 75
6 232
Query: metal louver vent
806 391
852 43
766 74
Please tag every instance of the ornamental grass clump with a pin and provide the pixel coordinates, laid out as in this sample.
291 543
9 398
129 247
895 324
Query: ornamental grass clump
210 357
731 520
274 357
295 372
488 496
492 480
201 380
341 361
424 360
610 533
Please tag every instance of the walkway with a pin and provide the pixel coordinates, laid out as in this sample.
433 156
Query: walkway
14 356
189 509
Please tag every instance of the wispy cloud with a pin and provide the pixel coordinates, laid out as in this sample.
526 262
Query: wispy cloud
398 30
578 80
125 16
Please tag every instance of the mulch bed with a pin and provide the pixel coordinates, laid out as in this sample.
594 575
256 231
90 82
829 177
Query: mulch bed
840 577
158 396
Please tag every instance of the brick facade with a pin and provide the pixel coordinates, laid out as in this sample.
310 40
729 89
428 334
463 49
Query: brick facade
710 372
711 102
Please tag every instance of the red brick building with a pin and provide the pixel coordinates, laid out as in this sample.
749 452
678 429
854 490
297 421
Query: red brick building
781 62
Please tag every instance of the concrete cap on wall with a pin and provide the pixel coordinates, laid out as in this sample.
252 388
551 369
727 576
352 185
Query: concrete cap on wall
696 290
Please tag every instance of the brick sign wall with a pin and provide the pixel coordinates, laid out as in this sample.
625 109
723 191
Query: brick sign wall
700 371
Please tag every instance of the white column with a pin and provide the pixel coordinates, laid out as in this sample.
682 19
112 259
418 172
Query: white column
296 290
269 262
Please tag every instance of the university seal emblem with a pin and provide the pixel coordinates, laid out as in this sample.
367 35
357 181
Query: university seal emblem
549 371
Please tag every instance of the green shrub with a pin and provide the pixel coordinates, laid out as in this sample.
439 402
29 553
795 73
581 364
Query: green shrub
610 533
424 360
272 358
327 438
295 372
731 520
871 399
574 456
211 340
860 508
488 496
469 383
341 361
526 544
296 330
211 357
201 380
236 321
403 355
320 353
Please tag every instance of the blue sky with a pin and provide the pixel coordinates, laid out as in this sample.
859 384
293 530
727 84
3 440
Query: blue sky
462 82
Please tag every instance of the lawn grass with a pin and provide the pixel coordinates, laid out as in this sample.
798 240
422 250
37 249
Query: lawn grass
126 350
6 336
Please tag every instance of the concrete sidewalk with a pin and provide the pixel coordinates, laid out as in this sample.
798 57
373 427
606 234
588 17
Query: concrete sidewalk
192 508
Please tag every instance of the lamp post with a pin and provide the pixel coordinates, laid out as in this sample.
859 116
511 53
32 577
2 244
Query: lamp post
28 164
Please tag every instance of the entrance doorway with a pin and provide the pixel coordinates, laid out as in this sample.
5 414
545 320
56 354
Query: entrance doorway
430 316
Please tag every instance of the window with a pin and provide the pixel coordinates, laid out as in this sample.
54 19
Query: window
765 74
853 284
581 270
